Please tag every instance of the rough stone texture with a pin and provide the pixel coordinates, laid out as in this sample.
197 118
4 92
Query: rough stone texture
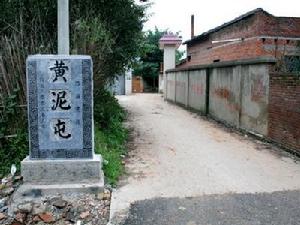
76 208
59 203
25 207
284 113
55 172
62 159
42 84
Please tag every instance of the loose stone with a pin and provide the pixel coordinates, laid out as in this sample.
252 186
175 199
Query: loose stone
17 178
2 216
20 217
3 202
25 208
4 209
8 191
59 203
84 215
47 217
38 209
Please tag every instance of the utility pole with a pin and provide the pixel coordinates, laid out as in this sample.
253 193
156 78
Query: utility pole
63 27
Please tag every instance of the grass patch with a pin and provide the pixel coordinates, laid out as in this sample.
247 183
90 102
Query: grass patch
111 150
110 135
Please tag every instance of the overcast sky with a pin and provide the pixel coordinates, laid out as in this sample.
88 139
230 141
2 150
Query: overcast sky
175 14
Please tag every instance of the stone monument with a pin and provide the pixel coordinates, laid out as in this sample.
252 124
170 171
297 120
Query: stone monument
60 118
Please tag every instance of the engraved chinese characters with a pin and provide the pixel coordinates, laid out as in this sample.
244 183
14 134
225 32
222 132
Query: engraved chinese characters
60 100
59 72
59 69
60 106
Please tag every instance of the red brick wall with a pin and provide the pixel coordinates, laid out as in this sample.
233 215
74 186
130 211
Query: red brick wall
247 49
234 51
251 28
278 26
284 109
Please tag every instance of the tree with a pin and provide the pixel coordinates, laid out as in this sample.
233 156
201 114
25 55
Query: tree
148 65
151 56
108 30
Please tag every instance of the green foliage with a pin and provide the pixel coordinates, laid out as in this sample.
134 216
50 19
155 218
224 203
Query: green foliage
179 55
108 30
110 135
13 147
151 56
118 22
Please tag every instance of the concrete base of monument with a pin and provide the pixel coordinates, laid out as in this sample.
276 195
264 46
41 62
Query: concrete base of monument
62 171
44 178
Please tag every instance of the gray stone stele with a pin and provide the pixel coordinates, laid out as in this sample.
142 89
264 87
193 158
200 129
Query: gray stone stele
61 161
60 88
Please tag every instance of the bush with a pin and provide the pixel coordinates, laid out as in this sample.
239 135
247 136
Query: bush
13 134
95 30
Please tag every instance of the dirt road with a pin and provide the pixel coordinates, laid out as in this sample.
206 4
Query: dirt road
179 154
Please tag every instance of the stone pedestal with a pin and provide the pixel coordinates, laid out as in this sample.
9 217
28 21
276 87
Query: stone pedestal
62 171
50 177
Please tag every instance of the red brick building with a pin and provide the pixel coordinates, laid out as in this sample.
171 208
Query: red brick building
254 34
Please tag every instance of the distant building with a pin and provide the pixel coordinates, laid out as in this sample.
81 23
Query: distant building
254 34
122 84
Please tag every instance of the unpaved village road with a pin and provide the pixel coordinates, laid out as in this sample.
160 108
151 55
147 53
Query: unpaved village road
184 169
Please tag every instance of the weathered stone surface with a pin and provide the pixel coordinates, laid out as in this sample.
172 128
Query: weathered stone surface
84 215
20 217
17 178
78 207
25 207
104 196
71 215
38 209
60 95
59 203
62 171
36 219
8 191
4 209
3 202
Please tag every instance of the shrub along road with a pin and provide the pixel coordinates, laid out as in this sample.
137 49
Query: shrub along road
184 169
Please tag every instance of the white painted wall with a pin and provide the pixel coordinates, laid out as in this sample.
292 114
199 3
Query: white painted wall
161 83
128 82
169 63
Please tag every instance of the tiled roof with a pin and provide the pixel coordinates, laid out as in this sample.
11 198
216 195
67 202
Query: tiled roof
196 38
